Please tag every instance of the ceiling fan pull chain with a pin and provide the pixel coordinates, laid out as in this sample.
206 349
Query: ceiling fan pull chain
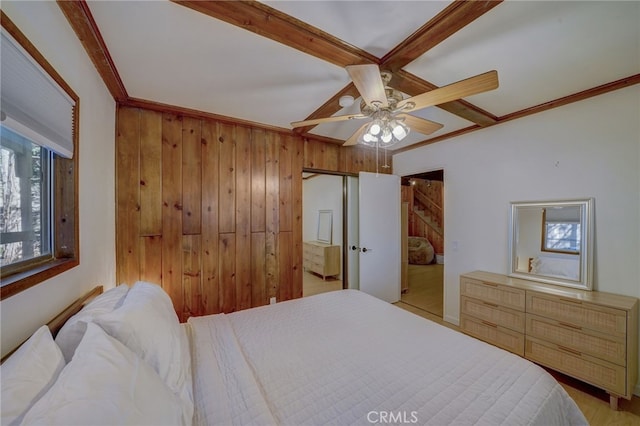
385 165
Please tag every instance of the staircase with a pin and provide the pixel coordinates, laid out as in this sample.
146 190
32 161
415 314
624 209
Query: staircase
426 217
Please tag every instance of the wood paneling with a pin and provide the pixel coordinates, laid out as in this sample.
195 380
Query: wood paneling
243 218
191 274
150 173
212 210
172 209
191 176
209 243
151 259
128 195
226 178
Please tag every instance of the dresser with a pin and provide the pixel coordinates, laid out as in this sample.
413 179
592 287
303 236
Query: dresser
589 335
320 258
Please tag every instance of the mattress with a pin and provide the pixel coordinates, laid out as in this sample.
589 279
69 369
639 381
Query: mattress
346 358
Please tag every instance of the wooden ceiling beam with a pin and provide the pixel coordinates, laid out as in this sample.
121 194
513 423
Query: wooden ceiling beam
271 23
454 17
81 20
451 19
275 25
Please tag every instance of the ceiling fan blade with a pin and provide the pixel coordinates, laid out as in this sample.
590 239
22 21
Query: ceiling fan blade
367 80
326 120
452 92
353 139
420 125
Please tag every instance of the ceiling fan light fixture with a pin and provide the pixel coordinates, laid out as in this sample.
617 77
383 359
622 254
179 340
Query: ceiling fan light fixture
386 136
368 139
384 130
400 130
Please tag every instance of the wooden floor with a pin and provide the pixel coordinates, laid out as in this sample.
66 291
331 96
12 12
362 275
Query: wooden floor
593 402
425 288
314 284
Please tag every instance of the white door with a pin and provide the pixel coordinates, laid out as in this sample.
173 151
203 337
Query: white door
379 225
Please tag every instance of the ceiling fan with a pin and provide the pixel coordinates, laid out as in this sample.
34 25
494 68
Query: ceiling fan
388 111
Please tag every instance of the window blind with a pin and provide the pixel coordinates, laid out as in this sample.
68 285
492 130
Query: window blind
32 104
564 214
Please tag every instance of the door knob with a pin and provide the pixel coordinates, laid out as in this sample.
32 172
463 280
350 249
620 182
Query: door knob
354 248
364 249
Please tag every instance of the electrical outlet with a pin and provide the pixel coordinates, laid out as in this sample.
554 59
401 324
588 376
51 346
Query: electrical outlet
272 301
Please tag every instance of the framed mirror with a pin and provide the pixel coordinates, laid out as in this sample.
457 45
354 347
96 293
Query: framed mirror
552 242
325 226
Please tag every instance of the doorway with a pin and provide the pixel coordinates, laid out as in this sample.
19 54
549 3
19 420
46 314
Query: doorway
322 233
424 286
369 244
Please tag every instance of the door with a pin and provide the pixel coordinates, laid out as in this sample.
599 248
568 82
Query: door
379 226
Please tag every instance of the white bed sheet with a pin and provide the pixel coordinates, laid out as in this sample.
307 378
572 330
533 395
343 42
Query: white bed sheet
347 358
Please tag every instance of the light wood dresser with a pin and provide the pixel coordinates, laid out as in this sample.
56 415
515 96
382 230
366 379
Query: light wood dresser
589 335
321 258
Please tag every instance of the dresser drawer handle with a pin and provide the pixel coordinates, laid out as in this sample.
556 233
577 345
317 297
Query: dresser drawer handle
575 327
490 284
571 351
493 305
577 302
490 324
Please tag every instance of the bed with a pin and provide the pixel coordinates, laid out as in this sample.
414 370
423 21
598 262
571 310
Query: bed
339 358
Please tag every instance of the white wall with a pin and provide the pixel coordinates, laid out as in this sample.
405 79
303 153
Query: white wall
322 192
46 27
586 149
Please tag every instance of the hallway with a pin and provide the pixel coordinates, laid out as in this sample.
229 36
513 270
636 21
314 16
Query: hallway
425 288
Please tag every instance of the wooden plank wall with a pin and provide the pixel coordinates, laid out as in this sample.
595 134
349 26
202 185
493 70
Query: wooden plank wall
212 210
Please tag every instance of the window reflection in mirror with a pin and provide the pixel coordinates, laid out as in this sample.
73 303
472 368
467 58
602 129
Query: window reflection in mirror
551 242
561 229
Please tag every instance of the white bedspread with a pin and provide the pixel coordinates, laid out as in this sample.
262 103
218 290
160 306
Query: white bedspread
347 358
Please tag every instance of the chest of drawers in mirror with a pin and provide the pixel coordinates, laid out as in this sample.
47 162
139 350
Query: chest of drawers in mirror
589 335
321 258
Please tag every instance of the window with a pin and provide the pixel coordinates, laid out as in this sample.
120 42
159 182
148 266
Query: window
561 229
38 167
25 214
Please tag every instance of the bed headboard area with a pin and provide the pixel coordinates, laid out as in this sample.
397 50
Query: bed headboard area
58 321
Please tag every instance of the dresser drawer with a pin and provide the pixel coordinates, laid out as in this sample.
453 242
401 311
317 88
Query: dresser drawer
504 338
508 297
316 267
599 345
313 249
509 318
579 314
606 375
314 257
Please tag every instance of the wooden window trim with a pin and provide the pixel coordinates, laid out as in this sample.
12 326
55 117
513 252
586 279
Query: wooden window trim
66 234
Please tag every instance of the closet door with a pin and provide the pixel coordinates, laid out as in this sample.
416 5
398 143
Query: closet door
379 225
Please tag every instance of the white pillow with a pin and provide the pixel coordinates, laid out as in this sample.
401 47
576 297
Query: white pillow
71 333
148 325
27 374
105 383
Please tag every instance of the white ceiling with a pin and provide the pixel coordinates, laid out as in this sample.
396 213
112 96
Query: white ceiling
542 50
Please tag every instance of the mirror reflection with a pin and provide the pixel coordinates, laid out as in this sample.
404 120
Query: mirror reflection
550 242
325 226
